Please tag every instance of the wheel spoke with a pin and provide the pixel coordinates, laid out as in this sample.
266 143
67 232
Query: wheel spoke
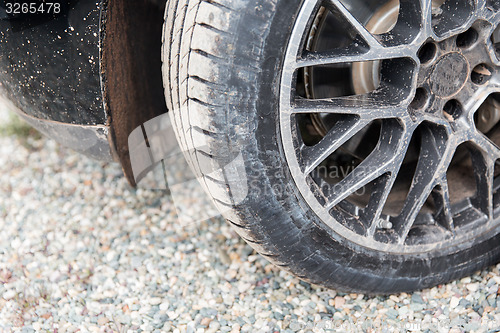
373 210
426 17
494 17
475 99
337 6
494 84
435 156
338 56
336 137
441 197
383 186
484 167
381 159
483 12
486 145
368 106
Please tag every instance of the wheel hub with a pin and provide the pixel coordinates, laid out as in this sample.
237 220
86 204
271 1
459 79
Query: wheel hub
448 75
453 73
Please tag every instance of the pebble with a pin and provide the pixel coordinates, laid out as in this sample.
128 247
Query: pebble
102 321
454 302
9 294
417 298
339 302
155 300
164 306
472 287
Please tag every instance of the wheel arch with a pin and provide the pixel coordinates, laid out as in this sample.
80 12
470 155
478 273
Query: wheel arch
131 70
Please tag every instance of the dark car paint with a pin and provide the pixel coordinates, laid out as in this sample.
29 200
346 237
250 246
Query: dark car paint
49 64
87 76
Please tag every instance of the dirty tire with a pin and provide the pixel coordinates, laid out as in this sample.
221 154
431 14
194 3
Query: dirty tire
222 62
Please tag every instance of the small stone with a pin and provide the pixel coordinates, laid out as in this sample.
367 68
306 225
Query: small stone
403 310
417 307
9 294
417 298
224 257
164 305
488 309
231 274
244 287
235 328
392 314
454 302
496 278
394 298
155 300
339 302
464 303
466 280
278 316
213 327
205 321
472 287
102 321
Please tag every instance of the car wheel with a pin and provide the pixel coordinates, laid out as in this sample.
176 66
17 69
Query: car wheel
351 142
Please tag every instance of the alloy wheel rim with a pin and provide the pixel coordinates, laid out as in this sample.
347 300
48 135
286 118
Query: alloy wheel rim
455 41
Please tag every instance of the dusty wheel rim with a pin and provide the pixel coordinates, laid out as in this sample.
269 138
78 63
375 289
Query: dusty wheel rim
438 68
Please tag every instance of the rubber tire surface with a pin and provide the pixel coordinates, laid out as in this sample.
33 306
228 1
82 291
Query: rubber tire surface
221 68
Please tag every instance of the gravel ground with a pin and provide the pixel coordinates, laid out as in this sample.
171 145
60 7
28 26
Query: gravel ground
82 251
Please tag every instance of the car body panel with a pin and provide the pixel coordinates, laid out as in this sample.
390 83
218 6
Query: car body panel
49 64
87 76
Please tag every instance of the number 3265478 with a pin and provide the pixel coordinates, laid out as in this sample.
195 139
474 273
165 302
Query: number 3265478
33 8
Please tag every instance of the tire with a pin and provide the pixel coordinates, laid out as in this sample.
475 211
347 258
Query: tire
223 66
